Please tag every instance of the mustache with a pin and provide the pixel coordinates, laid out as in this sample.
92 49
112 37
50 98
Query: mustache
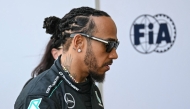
108 63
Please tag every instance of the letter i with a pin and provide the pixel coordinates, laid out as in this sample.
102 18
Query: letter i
150 34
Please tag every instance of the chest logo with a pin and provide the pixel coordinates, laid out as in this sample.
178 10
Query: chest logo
69 99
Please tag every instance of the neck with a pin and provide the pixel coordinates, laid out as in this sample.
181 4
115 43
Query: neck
70 65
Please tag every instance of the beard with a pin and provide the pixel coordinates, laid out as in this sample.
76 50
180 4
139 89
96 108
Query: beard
97 77
91 62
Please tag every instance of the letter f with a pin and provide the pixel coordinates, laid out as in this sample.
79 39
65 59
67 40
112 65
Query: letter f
137 33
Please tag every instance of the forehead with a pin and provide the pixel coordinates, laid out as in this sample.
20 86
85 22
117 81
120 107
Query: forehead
105 28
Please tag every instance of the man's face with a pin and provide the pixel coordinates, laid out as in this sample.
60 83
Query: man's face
96 58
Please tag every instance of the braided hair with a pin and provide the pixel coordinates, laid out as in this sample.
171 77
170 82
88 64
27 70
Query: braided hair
78 20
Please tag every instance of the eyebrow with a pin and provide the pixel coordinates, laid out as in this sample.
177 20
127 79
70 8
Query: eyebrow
92 36
111 39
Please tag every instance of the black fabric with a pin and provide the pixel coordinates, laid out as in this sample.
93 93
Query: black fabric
86 92
53 88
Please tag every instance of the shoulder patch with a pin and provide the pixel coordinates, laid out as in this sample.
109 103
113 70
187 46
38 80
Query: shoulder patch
34 104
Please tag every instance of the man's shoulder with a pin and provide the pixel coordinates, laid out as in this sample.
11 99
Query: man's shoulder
42 85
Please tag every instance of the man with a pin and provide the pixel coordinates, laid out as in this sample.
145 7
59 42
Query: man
89 39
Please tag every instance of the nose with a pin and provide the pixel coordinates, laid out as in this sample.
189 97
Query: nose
113 54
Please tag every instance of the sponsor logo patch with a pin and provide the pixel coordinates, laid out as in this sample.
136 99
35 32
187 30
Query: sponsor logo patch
34 104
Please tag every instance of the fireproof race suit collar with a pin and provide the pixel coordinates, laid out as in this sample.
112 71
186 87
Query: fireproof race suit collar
80 87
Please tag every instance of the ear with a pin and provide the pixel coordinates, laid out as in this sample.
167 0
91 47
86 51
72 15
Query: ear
54 53
78 42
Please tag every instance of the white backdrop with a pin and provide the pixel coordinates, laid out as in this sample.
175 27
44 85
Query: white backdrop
23 40
135 81
155 80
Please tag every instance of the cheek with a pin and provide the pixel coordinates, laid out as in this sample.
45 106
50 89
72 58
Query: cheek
99 48
100 56
99 52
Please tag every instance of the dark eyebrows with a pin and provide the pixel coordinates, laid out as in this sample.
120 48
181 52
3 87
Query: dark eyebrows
91 36
111 39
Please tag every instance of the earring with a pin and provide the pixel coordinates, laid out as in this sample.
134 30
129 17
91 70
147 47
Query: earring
79 50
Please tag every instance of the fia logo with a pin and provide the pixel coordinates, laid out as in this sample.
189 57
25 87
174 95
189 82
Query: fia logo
153 33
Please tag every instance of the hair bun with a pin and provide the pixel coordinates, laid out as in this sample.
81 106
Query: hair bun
50 23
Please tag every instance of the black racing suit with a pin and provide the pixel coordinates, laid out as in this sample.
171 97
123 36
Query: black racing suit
54 89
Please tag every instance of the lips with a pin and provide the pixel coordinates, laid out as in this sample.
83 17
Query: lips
107 65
